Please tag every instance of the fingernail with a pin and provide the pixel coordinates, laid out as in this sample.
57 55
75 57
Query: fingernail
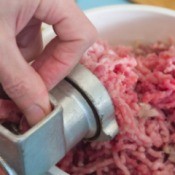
35 114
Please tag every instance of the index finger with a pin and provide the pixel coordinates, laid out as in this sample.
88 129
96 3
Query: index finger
75 34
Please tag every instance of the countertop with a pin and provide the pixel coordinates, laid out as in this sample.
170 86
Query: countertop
87 4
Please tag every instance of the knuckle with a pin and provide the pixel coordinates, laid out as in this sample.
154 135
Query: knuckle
17 89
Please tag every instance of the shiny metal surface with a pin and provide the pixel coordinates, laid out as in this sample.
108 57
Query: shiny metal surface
56 171
36 151
99 99
76 114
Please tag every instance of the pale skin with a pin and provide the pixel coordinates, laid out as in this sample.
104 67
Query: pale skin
20 43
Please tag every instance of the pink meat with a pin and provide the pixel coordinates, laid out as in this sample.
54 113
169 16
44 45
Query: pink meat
141 83
9 112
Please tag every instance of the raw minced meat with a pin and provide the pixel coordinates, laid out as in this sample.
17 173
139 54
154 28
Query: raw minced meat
141 83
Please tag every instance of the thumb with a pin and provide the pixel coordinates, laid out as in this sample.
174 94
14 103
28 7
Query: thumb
22 83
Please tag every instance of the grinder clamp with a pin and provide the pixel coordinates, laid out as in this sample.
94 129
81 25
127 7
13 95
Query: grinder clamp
82 109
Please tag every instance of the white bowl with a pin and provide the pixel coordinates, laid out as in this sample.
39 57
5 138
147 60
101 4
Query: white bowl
125 24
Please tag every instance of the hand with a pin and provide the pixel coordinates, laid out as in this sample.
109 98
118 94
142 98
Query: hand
20 43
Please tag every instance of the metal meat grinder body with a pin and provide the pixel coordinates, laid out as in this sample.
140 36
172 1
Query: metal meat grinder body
82 110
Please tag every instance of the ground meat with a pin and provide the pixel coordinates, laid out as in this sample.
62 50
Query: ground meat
141 83
12 118
9 112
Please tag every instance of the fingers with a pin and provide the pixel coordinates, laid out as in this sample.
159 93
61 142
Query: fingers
21 82
74 35
29 40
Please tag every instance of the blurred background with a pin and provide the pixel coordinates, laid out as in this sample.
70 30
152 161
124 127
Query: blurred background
87 4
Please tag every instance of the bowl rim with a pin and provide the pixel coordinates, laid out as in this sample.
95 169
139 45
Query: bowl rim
130 8
119 8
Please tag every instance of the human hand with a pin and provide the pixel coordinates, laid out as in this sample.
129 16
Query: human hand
20 43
